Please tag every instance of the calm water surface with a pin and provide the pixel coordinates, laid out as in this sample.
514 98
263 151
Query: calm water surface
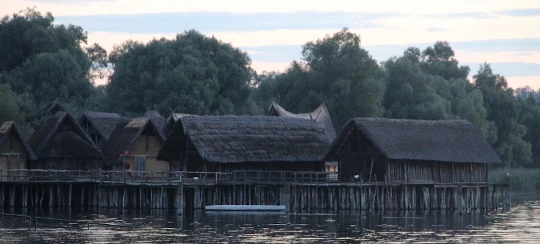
519 225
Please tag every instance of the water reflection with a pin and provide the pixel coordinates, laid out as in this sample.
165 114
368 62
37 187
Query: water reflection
520 224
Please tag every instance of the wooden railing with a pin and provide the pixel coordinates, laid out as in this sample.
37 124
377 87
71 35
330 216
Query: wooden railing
160 177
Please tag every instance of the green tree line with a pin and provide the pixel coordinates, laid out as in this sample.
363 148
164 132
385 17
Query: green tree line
197 74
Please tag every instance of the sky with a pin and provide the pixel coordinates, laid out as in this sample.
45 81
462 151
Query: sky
504 33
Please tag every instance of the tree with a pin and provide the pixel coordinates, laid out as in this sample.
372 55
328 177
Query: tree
46 60
335 70
18 108
503 110
190 74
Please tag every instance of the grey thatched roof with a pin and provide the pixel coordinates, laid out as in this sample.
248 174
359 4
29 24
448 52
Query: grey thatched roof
124 136
103 122
171 121
158 120
443 140
49 129
234 139
67 144
54 107
320 114
7 129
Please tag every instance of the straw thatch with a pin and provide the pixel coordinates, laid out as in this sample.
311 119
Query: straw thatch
102 123
49 131
171 121
7 129
320 115
235 139
124 136
53 107
158 120
443 140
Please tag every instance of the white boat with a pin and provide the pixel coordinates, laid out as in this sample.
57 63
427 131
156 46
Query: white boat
245 208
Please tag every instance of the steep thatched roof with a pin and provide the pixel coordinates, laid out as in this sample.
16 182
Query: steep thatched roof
320 114
158 120
124 136
54 107
67 144
234 139
171 120
49 131
7 129
443 140
103 122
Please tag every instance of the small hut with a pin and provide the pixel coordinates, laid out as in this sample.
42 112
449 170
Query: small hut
412 151
99 125
242 143
14 149
134 145
60 143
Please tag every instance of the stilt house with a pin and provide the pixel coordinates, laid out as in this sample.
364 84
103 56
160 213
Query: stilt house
245 143
134 145
60 143
99 125
14 150
412 152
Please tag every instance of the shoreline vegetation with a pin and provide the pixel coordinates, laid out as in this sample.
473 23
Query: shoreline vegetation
523 181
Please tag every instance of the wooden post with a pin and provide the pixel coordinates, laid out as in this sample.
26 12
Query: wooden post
286 197
180 198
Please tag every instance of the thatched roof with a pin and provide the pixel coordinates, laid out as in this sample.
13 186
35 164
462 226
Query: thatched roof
67 144
7 129
104 123
124 136
171 120
54 107
158 120
442 140
234 139
48 133
320 114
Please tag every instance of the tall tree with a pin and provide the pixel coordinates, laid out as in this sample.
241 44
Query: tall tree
191 74
46 60
335 70
503 110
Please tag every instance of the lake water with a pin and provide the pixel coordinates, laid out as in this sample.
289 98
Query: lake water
519 225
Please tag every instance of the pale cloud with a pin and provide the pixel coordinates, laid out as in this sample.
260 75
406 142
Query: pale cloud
516 82
248 6
497 57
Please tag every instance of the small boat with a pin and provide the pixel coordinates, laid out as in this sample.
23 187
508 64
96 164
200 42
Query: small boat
267 208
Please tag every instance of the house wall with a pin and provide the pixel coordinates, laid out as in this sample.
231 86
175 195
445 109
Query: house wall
12 155
147 146
358 156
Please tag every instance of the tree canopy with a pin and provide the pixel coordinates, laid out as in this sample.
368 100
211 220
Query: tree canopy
192 73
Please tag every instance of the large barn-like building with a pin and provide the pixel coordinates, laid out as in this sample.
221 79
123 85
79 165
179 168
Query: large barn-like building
243 143
412 151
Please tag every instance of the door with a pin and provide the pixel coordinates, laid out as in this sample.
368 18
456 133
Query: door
140 163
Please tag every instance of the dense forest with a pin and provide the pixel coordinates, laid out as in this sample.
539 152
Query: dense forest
193 73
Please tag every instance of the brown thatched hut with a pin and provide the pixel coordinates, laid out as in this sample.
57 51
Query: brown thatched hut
99 125
134 145
235 143
60 143
14 149
412 151
171 121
